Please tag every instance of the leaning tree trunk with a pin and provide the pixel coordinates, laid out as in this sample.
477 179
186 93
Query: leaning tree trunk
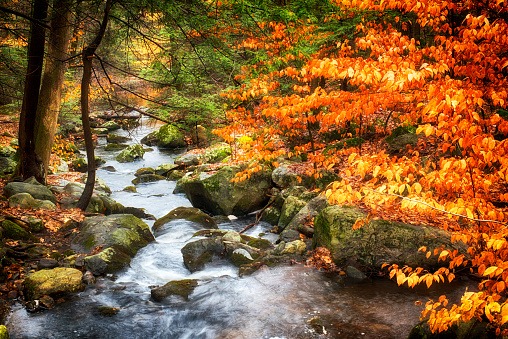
30 162
52 81
88 54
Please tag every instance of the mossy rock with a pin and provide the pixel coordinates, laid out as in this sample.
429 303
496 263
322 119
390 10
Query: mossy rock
261 244
182 288
108 311
111 125
216 154
53 282
240 257
100 130
216 194
115 147
11 230
188 213
290 209
110 260
4 334
168 136
378 242
37 191
131 189
197 253
147 178
165 169
22 200
131 153
143 171
124 231
44 205
35 224
80 165
116 139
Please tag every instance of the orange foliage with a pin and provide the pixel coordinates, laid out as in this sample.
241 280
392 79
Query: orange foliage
450 88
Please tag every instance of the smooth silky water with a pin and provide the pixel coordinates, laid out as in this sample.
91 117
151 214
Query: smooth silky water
271 303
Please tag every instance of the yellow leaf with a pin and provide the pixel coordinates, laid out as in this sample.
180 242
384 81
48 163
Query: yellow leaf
490 270
417 187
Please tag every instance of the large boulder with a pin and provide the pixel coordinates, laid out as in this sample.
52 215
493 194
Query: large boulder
168 136
188 213
125 234
377 242
131 153
8 161
36 190
216 194
53 282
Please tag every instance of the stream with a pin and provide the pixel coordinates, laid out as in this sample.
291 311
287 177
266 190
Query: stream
271 303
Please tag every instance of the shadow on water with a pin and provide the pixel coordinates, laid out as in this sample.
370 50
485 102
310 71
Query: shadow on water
272 303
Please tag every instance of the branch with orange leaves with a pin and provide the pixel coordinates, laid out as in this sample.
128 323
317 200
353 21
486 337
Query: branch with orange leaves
439 209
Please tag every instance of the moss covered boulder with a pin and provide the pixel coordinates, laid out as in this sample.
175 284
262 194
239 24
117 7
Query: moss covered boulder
11 230
147 178
53 282
377 242
165 169
182 288
216 194
125 234
168 136
36 190
116 139
110 260
22 200
188 213
197 253
8 160
131 153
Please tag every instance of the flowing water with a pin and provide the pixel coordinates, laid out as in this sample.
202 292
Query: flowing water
271 303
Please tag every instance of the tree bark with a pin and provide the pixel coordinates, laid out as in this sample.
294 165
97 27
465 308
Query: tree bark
87 55
52 81
30 162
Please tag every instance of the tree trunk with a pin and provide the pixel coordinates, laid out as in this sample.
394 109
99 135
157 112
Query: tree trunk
30 162
52 81
88 54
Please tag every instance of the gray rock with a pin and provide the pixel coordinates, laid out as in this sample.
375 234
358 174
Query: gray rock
355 274
164 169
304 216
21 200
182 288
216 194
377 242
44 205
290 209
188 213
131 153
120 235
197 253
147 178
143 171
116 139
189 159
8 161
37 191
47 263
240 257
